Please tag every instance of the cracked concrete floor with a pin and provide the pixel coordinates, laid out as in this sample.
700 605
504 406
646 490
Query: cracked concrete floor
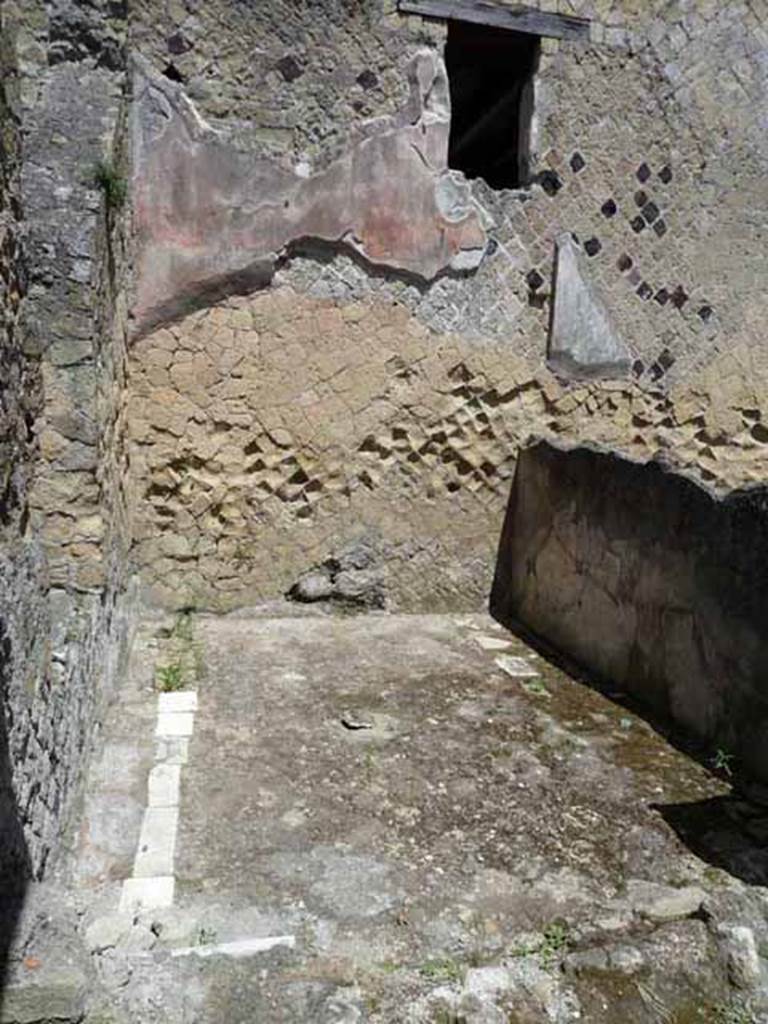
406 818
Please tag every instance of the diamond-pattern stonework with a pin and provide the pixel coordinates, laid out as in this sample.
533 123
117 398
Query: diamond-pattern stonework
264 429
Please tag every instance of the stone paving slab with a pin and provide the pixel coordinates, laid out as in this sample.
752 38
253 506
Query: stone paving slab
416 819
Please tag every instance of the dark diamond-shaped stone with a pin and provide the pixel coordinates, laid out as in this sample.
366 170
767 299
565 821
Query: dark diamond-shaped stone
666 174
641 197
367 79
651 212
491 247
645 291
534 279
705 313
172 73
660 227
662 296
656 371
679 297
550 182
643 173
624 263
638 367
178 43
666 359
609 208
592 246
578 163
289 68
638 225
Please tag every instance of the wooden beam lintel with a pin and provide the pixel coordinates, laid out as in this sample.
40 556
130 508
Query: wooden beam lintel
485 12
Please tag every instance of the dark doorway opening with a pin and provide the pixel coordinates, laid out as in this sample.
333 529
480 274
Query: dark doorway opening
491 71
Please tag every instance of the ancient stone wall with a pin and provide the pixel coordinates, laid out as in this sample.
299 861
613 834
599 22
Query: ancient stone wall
21 570
649 580
65 530
380 385
268 431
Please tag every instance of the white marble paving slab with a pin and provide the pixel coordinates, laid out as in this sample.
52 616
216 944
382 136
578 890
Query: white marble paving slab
175 723
179 700
172 750
238 948
493 643
514 666
164 785
146 893
157 842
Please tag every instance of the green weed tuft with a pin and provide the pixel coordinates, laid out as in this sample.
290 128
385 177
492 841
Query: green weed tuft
170 677
111 182
442 969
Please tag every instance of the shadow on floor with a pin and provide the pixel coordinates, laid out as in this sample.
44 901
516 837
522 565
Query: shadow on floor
15 868
727 831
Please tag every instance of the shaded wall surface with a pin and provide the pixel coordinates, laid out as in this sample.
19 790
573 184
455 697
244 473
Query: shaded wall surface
649 579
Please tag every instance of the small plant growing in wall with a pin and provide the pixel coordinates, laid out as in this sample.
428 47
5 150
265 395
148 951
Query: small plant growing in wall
554 942
111 182
723 762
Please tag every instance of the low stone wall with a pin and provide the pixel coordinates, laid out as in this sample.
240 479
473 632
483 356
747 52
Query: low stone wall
648 579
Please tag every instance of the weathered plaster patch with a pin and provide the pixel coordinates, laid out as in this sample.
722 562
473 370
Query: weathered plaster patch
583 341
210 217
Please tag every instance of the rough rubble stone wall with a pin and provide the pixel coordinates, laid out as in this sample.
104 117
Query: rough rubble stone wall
62 618
21 569
354 399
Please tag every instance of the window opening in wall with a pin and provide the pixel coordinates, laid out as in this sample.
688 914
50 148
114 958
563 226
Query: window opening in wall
491 71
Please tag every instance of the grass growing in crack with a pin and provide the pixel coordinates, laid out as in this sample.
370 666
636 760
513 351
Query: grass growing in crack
206 936
389 966
554 942
535 687
442 969
735 1012
170 677
372 1003
184 664
442 1015
111 182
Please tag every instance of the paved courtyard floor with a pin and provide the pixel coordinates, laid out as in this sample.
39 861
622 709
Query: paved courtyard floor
334 819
